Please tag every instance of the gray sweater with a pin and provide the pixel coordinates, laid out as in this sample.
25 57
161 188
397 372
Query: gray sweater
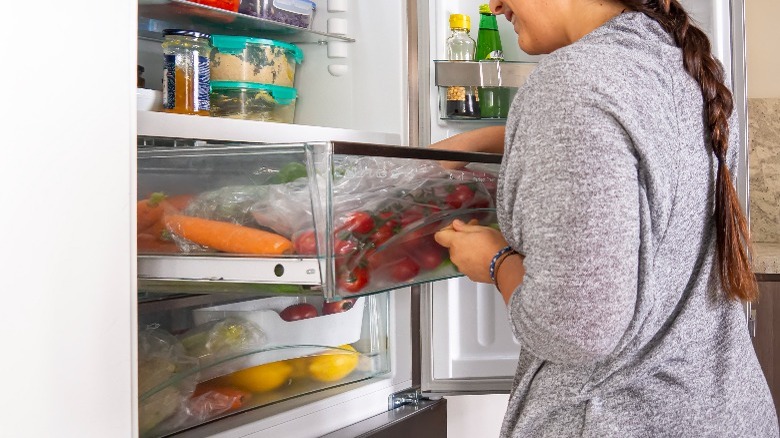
607 189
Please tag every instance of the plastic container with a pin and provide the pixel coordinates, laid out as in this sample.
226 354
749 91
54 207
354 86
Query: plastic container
149 100
298 13
250 101
257 60
186 71
313 335
228 5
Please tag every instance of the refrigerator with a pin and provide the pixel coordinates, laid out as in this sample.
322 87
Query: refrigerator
70 182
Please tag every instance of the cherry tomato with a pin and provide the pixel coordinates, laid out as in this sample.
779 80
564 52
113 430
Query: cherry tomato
411 216
428 254
298 311
384 233
345 247
305 243
338 306
358 222
354 280
462 195
405 269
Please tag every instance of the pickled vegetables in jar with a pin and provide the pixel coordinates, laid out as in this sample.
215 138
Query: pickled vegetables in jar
186 74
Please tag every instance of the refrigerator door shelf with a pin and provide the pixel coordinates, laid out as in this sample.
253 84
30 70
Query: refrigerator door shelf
510 74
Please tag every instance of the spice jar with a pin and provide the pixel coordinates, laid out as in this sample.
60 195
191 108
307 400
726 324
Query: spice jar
186 74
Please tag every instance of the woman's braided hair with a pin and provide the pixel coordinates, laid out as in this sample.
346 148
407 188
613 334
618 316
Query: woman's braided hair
733 239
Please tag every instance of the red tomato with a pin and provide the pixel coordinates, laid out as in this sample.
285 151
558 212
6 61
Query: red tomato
305 243
462 195
337 306
410 216
384 233
358 222
353 281
345 247
428 254
405 269
298 311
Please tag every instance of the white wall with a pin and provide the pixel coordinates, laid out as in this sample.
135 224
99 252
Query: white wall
763 48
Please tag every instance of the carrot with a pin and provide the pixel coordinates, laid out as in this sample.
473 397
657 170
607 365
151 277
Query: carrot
227 237
150 210
179 202
148 243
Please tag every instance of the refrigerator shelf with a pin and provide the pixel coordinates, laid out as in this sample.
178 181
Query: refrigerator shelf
202 128
509 74
156 15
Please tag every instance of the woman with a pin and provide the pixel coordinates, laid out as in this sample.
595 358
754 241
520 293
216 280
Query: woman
622 253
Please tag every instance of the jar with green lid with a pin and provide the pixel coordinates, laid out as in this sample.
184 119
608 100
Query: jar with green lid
186 71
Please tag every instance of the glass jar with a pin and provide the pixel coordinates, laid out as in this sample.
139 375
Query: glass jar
186 74
462 102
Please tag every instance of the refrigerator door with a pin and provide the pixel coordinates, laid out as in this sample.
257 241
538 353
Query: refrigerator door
467 345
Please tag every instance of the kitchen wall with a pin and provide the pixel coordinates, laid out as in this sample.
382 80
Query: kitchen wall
763 87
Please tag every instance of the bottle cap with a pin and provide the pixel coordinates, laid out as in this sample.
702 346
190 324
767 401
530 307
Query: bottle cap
460 21
485 9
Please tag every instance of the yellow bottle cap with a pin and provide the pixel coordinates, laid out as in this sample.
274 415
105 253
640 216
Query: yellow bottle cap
460 21
485 9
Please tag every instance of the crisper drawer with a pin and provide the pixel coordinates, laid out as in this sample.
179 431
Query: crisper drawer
331 218
204 357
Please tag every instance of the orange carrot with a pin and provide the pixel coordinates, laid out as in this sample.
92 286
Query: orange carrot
150 210
148 243
227 237
179 202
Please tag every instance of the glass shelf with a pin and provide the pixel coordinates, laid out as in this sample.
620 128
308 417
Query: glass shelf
156 15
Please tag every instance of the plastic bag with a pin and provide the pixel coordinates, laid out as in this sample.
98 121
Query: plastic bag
161 360
220 346
228 204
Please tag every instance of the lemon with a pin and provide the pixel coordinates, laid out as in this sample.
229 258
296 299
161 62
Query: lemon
334 365
262 378
299 366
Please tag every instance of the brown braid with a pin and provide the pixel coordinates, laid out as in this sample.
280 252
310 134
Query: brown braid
733 239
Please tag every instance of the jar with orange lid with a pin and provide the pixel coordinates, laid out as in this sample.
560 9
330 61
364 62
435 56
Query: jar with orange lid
186 71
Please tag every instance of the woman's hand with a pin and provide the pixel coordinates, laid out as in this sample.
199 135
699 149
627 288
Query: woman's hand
487 139
472 248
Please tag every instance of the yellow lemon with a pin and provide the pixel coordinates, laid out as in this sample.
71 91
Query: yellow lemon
299 366
262 378
333 365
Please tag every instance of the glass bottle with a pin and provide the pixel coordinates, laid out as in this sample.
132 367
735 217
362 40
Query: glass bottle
186 71
493 101
462 102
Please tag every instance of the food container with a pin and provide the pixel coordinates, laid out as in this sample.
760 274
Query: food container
250 101
149 100
298 13
247 59
288 339
186 71
228 5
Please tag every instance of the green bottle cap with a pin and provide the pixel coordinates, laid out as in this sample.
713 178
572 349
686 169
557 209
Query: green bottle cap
485 9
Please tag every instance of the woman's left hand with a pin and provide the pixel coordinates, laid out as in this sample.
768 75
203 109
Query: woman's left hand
472 247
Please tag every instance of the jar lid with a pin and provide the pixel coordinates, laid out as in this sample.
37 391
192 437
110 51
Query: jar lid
184 32
485 9
236 44
282 95
460 21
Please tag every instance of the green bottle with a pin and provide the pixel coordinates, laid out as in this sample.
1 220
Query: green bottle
493 101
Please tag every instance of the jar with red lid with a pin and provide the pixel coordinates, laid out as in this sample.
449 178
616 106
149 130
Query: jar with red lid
228 5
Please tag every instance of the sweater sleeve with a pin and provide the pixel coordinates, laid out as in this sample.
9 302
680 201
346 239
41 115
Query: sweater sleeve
578 198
